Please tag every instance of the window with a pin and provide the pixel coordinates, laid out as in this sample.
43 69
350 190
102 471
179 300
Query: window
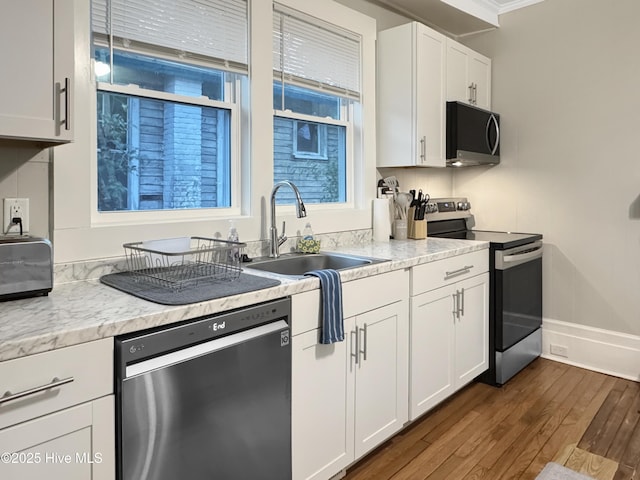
316 92
169 80
310 140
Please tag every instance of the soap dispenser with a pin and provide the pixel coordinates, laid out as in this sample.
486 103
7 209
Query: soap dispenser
307 244
234 252
307 233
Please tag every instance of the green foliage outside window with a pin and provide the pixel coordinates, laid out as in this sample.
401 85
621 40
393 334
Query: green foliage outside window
115 159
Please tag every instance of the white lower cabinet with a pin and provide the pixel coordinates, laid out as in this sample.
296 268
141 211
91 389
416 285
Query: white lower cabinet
472 330
376 365
449 333
77 443
322 407
433 343
349 396
57 415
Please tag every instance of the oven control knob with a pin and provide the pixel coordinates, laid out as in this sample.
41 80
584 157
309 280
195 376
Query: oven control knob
463 206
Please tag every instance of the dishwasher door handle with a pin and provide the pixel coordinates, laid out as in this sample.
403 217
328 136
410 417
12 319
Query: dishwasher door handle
203 348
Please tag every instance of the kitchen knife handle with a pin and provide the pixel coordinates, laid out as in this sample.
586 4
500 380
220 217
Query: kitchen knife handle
56 382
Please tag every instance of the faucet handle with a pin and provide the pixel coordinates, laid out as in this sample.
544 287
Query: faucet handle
284 224
282 238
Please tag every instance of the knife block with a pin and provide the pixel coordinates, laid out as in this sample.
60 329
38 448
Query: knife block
416 229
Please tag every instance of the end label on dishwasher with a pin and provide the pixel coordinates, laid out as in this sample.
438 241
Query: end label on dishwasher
284 338
218 326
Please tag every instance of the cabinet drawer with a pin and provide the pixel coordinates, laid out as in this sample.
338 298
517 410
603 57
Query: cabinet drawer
89 365
358 296
436 274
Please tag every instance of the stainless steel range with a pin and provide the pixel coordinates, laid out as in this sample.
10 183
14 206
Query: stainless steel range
515 293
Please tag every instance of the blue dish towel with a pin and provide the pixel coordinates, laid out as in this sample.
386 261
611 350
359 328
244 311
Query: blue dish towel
332 317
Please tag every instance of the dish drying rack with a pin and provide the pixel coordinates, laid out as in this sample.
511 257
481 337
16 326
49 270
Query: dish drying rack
179 263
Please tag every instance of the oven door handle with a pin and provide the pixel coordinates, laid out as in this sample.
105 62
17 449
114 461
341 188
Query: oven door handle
511 258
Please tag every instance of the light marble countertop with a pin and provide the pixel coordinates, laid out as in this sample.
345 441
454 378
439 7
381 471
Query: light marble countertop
83 311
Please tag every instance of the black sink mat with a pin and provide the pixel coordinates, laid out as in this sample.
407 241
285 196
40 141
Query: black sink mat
204 290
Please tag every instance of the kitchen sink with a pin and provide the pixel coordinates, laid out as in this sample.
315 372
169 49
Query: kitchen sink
296 264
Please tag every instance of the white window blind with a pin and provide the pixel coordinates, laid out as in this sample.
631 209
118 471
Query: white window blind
311 53
215 29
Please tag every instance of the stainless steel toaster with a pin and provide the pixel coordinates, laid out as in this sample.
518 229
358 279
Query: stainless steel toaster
26 267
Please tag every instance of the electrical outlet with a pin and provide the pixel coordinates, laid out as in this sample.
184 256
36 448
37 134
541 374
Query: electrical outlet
559 350
15 208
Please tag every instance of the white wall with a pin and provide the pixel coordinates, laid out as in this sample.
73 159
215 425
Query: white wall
565 81
24 173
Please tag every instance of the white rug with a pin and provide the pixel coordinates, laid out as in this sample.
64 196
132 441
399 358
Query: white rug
555 471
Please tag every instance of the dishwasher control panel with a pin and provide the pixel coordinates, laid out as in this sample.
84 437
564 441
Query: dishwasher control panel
139 346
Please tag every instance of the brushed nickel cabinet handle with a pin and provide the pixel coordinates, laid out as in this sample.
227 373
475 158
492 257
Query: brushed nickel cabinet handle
67 103
357 349
462 302
457 273
55 383
455 312
423 149
364 341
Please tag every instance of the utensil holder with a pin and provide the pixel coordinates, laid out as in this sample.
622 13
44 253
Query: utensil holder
416 229
400 229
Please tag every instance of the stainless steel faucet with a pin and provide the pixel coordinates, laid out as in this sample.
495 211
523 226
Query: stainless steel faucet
275 240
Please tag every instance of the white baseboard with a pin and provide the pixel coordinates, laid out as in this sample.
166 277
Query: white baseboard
604 351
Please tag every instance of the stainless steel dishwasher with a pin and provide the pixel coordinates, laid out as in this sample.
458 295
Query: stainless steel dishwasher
207 399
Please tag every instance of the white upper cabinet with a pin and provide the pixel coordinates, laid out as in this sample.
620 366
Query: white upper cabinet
468 76
411 97
419 70
37 58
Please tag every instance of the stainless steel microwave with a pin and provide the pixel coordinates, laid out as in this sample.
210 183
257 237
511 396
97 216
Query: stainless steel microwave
473 136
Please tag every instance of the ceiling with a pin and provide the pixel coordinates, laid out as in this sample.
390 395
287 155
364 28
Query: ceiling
457 17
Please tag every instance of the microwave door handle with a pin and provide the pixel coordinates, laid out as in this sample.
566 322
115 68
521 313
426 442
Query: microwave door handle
487 136
493 149
497 144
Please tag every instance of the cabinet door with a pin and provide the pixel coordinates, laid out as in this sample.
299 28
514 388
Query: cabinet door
480 76
36 53
472 329
459 88
468 76
430 102
73 444
380 374
410 86
432 335
322 406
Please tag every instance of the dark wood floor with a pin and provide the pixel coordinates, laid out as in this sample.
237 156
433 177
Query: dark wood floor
550 411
